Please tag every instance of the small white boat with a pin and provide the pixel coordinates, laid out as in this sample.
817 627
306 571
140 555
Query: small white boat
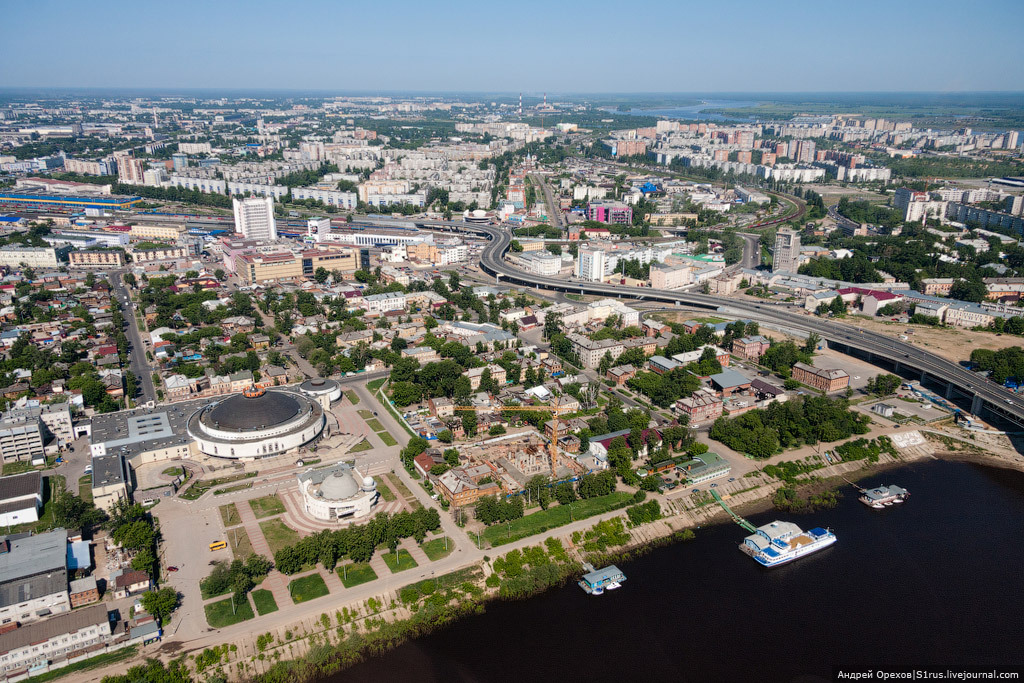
613 585
597 591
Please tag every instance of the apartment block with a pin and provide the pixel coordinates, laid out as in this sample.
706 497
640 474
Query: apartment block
96 258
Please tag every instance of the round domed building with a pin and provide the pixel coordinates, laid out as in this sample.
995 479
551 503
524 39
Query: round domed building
325 391
257 424
337 493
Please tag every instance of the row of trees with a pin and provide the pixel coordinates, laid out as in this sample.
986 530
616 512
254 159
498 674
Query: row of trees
357 542
237 576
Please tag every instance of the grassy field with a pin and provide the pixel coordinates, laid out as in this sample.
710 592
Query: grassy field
240 543
307 588
363 445
219 614
266 506
400 488
387 439
374 424
264 600
376 384
352 396
435 549
17 467
365 414
200 487
85 488
399 562
278 535
229 515
355 574
385 491
174 471
555 517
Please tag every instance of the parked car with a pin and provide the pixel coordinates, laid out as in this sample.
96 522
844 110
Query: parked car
172 569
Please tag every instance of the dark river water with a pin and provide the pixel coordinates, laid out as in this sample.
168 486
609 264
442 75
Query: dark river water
935 581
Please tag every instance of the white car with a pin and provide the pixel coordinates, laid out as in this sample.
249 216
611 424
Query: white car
88 469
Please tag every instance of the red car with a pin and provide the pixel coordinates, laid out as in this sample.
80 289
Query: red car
172 569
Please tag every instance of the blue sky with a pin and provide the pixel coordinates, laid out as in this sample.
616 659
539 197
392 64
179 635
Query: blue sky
531 46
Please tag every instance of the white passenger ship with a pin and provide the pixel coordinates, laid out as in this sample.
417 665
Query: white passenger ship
781 542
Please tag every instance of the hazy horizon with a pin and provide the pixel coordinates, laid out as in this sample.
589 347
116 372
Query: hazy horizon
735 46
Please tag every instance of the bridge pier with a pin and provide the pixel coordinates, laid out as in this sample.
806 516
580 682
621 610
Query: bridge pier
896 366
949 391
976 405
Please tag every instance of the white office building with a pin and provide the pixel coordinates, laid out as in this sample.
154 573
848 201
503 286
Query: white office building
254 218
590 264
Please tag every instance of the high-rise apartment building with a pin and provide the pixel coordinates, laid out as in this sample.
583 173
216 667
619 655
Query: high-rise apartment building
130 170
804 151
787 251
590 264
254 218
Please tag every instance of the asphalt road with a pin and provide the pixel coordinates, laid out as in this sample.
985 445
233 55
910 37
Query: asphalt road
137 352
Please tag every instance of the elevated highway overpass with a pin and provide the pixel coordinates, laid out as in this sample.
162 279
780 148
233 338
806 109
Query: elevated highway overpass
983 392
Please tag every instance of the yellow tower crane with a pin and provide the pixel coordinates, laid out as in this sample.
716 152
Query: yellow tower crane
552 447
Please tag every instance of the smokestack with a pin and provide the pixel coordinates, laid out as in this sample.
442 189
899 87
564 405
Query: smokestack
520 104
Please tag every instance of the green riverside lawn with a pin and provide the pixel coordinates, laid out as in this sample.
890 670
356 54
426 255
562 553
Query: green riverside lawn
264 599
219 615
355 574
308 588
435 549
267 506
399 562
278 535
553 517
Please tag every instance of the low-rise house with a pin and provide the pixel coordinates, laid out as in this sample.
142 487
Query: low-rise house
661 365
21 498
130 582
83 592
821 378
700 407
751 348
621 374
730 382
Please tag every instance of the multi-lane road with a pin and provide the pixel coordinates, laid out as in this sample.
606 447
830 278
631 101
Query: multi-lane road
983 391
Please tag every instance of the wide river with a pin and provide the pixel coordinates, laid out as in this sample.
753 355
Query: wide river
693 112
935 581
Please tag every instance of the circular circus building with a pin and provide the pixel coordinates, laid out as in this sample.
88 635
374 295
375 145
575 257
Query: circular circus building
338 493
256 424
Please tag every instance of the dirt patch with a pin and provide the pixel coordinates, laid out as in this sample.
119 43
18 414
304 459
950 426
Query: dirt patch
952 343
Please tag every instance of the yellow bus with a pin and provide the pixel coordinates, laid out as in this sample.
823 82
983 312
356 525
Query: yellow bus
218 545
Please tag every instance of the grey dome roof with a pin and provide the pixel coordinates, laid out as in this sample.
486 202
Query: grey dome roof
339 486
254 412
318 385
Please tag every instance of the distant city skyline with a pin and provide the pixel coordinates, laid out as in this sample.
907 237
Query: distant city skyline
574 47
